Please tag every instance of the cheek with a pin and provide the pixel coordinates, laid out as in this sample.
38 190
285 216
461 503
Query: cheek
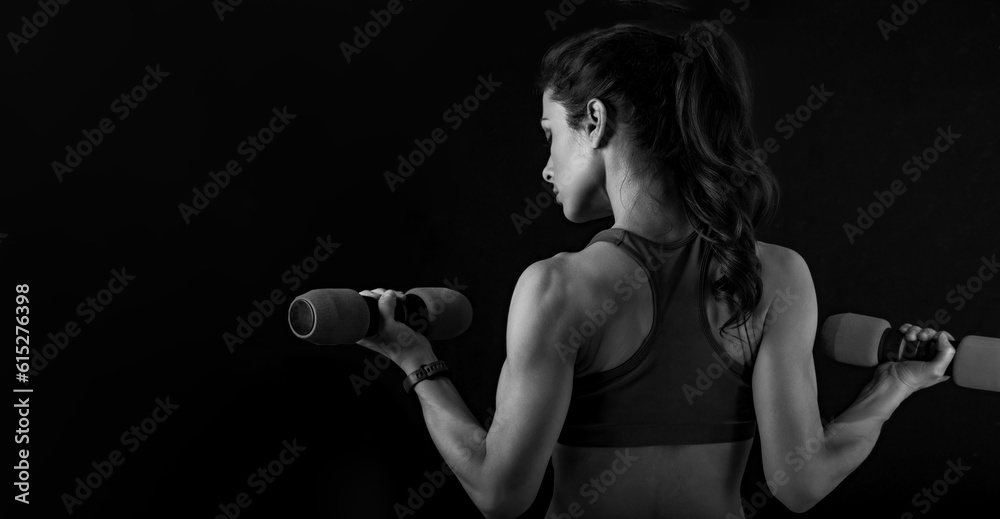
567 161
580 173
558 155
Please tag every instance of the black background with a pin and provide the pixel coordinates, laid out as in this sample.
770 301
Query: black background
450 220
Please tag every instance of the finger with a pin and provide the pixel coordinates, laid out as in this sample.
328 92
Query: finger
379 291
387 307
911 334
367 293
943 342
945 352
902 329
927 334
942 336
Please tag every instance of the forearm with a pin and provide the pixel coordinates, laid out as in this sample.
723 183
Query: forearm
850 438
457 434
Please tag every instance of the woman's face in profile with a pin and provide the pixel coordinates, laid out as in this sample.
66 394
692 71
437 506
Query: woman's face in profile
575 168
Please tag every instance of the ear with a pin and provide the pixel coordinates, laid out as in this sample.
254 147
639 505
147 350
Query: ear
596 123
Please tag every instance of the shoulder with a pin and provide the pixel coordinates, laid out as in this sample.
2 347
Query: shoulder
781 269
781 265
788 286
560 283
571 278
552 296
543 280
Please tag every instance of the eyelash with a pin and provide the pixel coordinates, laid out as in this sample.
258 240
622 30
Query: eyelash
548 142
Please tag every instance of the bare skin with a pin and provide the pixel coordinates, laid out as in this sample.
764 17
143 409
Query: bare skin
502 469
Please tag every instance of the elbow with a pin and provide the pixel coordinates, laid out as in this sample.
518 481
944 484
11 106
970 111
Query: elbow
502 503
798 505
494 508
498 513
801 498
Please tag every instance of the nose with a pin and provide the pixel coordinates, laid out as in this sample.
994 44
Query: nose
547 171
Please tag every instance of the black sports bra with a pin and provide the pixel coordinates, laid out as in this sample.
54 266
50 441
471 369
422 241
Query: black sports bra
681 386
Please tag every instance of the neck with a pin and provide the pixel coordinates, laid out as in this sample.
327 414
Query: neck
644 209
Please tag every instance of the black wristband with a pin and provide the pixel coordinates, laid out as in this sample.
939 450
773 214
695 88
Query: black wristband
425 371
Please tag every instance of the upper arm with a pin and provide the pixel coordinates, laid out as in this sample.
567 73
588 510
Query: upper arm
535 384
784 377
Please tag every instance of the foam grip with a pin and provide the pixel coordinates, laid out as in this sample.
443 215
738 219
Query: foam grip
853 339
977 363
329 316
449 313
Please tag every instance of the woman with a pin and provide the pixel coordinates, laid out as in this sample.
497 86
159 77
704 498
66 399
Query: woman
643 364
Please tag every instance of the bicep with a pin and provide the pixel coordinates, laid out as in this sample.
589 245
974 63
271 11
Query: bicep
784 378
535 385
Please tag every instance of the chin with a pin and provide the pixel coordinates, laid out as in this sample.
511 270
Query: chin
577 216
586 208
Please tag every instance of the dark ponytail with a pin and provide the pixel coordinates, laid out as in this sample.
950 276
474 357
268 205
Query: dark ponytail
685 103
726 188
